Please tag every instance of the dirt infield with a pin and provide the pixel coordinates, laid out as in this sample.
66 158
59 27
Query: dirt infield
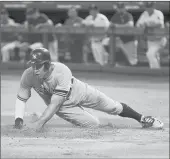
121 138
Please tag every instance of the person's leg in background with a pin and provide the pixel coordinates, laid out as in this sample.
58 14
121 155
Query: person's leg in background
24 51
7 49
99 52
53 48
87 51
77 48
153 53
73 49
16 54
3 52
67 45
120 56
130 51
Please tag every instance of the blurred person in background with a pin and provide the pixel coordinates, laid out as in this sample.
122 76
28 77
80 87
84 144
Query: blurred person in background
74 42
35 19
166 49
126 45
167 25
73 18
10 41
96 19
152 19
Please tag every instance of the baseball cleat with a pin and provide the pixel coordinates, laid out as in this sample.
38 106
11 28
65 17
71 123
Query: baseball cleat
151 122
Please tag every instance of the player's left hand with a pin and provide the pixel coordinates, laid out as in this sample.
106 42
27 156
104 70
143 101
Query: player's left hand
34 117
35 123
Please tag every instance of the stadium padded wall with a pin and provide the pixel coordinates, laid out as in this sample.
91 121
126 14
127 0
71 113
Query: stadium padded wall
144 71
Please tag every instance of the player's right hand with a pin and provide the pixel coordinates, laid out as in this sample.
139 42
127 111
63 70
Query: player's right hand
34 117
18 123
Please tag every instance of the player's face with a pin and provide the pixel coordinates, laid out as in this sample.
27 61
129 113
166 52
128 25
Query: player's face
38 70
149 10
36 66
32 15
121 9
93 12
72 13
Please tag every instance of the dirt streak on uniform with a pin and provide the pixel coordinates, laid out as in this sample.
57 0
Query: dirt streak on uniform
77 93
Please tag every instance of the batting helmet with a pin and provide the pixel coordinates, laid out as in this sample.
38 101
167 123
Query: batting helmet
39 57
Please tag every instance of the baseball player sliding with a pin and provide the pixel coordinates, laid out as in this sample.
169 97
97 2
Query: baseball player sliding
67 96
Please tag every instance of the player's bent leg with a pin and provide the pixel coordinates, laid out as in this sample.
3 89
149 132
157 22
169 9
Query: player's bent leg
146 121
130 50
99 101
78 117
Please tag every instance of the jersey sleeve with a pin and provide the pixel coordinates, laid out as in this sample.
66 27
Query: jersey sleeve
160 18
141 20
87 20
66 22
129 18
79 20
11 22
113 18
64 82
45 18
24 91
104 21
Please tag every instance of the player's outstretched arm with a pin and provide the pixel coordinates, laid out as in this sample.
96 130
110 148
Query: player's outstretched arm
54 106
19 113
23 95
59 96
